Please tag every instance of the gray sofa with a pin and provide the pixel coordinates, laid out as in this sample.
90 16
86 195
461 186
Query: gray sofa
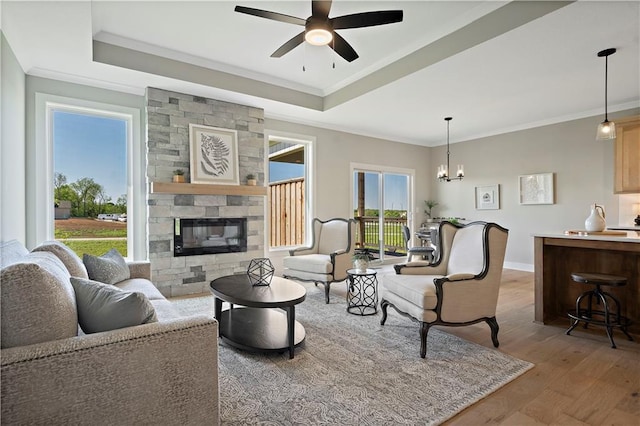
162 372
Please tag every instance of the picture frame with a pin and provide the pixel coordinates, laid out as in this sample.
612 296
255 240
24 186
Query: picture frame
536 188
213 154
488 197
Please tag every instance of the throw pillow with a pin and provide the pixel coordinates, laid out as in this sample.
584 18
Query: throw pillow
70 259
110 268
103 307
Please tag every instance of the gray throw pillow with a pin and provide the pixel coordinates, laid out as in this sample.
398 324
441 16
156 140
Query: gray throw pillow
103 307
70 259
110 268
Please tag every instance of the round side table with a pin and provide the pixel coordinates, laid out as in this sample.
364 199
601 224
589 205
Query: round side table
362 292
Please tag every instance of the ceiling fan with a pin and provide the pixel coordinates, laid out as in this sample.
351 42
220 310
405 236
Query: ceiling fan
319 28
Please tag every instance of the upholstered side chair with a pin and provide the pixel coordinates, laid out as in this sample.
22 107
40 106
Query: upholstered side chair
460 288
327 259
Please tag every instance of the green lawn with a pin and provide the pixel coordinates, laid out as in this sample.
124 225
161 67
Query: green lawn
96 247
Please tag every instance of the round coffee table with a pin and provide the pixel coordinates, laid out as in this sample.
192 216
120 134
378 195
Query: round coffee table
254 327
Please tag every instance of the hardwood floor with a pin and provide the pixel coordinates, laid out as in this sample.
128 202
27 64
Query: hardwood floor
577 379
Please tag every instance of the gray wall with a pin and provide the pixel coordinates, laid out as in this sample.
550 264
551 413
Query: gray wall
583 169
12 146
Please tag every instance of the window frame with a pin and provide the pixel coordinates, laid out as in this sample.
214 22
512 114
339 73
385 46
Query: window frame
42 170
309 143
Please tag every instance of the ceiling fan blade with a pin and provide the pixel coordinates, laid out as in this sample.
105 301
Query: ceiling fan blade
320 8
288 46
271 15
366 19
343 48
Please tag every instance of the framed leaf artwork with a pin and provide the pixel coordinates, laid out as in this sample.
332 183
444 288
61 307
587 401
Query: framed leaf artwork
213 155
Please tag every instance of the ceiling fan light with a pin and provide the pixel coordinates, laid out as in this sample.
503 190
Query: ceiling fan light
606 130
318 37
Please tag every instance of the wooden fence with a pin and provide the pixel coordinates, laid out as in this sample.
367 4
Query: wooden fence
287 213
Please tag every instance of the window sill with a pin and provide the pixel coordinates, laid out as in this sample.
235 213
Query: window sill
205 189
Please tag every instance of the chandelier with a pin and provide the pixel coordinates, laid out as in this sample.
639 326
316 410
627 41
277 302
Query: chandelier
443 169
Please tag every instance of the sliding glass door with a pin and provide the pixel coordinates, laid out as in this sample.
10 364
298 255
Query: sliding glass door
381 206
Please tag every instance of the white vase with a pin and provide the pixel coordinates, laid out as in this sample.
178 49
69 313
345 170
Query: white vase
595 222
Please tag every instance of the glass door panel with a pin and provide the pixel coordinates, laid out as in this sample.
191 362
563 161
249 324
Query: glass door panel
381 204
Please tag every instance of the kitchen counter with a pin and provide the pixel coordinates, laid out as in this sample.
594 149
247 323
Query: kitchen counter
557 255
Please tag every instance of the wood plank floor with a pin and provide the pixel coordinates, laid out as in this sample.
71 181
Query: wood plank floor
577 379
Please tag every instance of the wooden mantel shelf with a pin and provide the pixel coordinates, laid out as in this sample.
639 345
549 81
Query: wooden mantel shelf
205 189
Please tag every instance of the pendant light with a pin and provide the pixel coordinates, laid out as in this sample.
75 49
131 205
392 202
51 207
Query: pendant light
606 129
443 169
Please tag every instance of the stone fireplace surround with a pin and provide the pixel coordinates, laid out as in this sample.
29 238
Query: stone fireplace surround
168 117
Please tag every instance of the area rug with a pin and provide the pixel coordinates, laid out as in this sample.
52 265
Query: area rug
352 371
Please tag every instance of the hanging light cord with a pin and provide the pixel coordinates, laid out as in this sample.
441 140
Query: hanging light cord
606 80
448 166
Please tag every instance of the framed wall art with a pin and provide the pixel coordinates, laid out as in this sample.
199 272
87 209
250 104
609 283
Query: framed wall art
213 155
536 188
488 197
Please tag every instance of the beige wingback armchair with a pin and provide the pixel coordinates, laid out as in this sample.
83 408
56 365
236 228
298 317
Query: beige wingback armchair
460 288
328 258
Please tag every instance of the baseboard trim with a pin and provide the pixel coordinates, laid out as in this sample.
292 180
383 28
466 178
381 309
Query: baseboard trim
519 266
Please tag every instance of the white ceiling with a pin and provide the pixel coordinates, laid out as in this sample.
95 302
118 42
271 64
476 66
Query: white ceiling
407 79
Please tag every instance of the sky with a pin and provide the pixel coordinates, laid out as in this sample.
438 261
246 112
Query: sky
283 171
91 147
396 190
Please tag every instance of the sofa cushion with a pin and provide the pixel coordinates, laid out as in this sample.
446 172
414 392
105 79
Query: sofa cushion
37 301
70 259
103 307
110 268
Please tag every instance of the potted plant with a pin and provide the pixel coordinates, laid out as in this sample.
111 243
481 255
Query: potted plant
360 261
251 179
178 176
429 204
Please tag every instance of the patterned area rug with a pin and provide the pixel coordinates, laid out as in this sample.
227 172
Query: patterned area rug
352 371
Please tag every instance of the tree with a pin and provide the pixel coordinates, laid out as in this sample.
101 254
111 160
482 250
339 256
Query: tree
121 204
59 180
102 199
87 190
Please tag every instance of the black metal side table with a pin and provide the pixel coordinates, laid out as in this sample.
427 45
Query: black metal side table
362 292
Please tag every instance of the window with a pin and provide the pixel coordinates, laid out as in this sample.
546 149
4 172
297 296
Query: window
115 181
289 190
90 180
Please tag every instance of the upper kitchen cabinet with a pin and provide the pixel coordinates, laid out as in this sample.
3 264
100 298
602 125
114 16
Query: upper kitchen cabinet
627 156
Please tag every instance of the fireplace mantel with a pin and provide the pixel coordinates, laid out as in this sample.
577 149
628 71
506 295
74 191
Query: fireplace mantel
205 189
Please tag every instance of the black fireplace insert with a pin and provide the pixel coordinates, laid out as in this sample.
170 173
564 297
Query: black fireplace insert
209 236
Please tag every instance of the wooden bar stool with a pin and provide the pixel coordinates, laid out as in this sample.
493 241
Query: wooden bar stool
609 316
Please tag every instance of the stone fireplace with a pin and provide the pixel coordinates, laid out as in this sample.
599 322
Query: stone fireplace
168 117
